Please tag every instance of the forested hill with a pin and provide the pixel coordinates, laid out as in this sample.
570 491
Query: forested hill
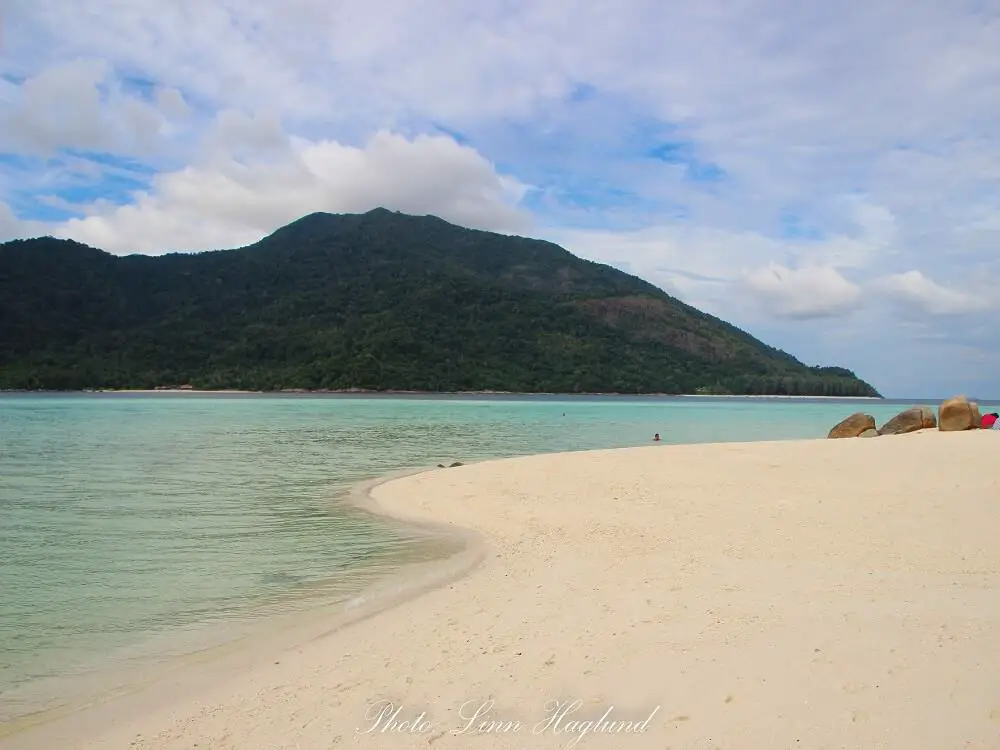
379 300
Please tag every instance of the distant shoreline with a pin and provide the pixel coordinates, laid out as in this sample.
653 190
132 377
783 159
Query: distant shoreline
395 392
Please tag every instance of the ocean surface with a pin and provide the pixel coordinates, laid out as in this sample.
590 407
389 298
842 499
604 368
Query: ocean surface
133 525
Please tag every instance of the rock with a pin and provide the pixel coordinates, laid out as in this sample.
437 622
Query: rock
910 420
441 466
870 433
853 426
958 413
457 463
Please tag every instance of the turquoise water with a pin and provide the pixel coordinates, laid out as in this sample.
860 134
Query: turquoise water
125 517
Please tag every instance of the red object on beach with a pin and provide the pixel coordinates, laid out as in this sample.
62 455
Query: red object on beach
987 421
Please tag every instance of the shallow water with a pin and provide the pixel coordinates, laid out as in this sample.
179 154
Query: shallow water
130 520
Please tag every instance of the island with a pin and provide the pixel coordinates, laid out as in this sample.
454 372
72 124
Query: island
379 301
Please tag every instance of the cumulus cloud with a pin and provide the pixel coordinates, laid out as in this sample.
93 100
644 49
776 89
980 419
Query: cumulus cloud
11 227
743 274
61 107
917 291
225 202
810 292
239 135
73 106
171 103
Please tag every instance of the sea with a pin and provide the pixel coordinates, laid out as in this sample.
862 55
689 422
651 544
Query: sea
136 529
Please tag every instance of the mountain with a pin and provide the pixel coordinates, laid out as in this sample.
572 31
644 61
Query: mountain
379 300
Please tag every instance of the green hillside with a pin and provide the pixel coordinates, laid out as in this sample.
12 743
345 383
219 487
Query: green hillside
379 300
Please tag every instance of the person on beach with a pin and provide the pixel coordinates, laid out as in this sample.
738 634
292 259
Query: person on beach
989 421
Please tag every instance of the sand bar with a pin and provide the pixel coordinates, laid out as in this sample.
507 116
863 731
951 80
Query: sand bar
811 594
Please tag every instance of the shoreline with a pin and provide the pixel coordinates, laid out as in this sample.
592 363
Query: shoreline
752 606
39 692
393 392
205 668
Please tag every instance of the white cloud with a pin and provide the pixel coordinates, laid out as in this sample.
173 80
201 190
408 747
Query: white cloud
61 107
12 227
721 271
171 103
225 202
810 292
78 105
236 133
916 290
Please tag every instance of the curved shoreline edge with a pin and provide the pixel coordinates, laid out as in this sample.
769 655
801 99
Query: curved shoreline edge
67 723
411 579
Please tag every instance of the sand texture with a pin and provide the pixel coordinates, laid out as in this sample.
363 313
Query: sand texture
816 594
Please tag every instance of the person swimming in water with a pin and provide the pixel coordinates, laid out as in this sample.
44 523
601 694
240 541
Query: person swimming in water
656 438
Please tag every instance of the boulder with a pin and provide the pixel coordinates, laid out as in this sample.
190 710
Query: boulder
910 420
958 413
870 433
853 426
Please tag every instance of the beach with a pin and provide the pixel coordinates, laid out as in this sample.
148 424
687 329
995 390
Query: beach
813 594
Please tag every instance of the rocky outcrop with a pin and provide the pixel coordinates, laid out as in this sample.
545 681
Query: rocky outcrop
853 426
954 415
910 420
957 414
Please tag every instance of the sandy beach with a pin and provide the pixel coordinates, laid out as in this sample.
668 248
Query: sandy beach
821 594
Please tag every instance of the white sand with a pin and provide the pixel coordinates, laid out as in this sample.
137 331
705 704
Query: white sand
817 594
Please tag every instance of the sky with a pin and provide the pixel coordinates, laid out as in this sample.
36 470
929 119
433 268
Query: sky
825 176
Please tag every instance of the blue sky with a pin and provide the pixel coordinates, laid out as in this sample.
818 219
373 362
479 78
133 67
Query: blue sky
824 176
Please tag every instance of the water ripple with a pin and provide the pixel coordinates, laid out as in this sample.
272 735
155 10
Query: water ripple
127 516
